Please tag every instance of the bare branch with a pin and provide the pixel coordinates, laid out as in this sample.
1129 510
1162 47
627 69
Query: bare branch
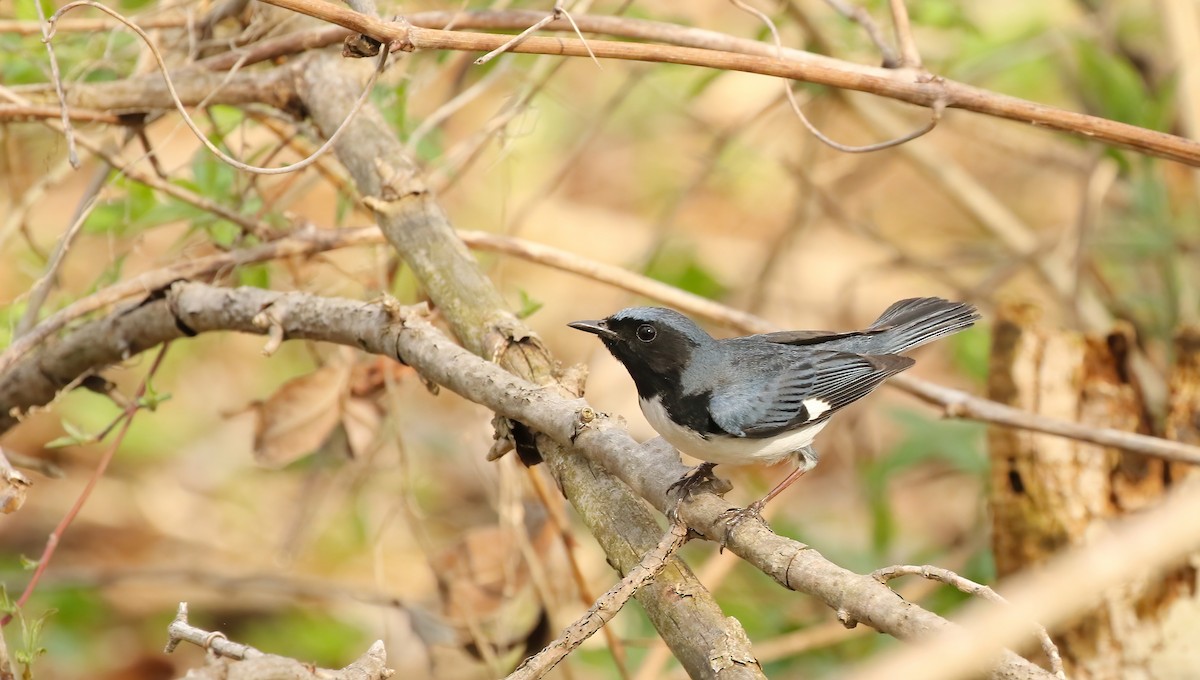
41 288
938 107
862 17
970 587
181 631
68 132
605 608
910 57
304 242
516 39
251 663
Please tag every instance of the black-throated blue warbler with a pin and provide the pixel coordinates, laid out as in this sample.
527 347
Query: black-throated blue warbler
761 398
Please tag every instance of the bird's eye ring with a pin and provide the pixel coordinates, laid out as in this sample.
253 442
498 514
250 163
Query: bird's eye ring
646 332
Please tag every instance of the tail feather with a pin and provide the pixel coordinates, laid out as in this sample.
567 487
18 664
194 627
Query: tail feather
916 321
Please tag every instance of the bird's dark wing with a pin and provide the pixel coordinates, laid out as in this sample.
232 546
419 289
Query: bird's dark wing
804 338
801 391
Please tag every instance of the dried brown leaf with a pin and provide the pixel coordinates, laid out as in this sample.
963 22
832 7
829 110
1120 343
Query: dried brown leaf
298 418
13 485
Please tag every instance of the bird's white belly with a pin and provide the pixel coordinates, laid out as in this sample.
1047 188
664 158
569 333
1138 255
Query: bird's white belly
728 450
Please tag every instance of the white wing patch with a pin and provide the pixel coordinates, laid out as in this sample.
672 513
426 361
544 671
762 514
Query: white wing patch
815 407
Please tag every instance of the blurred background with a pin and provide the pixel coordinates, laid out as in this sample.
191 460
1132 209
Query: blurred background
312 501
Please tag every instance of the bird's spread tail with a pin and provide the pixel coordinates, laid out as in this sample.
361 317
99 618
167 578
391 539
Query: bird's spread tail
916 321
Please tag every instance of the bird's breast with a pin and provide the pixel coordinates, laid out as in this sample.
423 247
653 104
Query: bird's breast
724 449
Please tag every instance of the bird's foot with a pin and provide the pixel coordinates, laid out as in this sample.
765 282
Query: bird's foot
690 481
735 517
693 479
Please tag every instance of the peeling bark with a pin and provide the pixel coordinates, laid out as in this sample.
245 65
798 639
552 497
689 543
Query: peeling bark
1050 493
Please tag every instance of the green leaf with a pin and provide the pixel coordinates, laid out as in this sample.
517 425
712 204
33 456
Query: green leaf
256 275
941 14
223 232
393 104
971 350
343 204
170 211
20 71
1112 86
31 647
121 215
213 177
958 443
25 10
680 267
152 398
226 118
74 436
528 305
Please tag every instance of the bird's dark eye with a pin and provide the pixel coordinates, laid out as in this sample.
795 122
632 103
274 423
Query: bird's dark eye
646 332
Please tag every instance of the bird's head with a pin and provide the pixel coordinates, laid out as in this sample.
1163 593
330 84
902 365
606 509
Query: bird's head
655 344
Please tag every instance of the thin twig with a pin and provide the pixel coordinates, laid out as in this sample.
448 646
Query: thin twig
708 49
516 40
863 18
935 117
434 120
712 575
33 195
605 608
937 107
910 57
301 243
562 527
68 131
41 288
10 113
579 34
52 542
299 165
89 25
181 631
372 665
972 588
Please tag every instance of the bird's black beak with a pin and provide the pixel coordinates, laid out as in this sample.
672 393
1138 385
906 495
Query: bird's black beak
598 327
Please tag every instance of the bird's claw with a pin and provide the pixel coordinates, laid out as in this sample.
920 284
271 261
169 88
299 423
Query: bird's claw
693 479
736 516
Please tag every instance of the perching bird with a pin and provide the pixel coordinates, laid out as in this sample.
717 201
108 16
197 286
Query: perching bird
761 398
